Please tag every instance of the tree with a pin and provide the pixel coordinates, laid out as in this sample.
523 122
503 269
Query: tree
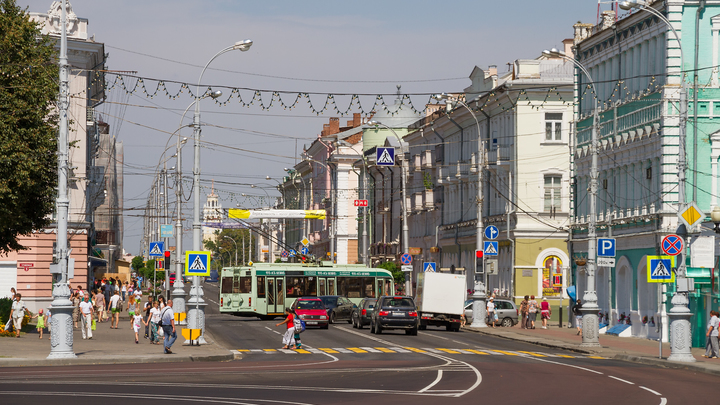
137 263
398 275
28 126
229 247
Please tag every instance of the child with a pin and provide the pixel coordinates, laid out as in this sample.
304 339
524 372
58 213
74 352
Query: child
298 343
41 322
137 321
132 308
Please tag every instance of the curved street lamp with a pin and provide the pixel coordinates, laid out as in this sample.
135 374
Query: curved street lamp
194 320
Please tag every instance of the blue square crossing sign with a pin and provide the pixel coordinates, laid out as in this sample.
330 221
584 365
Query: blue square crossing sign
197 263
660 269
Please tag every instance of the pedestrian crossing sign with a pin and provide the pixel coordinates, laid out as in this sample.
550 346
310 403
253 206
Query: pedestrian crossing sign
385 156
660 269
490 248
197 263
157 249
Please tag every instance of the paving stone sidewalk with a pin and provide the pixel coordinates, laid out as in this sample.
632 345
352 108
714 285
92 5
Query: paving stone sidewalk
108 346
635 350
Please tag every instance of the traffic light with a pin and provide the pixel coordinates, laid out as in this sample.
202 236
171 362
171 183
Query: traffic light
167 260
479 269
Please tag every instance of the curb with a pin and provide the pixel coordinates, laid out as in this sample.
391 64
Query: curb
535 342
116 360
667 364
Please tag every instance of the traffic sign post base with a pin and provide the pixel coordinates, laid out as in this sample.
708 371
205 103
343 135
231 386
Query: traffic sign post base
680 332
479 306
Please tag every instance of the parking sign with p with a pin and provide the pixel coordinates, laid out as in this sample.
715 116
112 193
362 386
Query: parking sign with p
606 247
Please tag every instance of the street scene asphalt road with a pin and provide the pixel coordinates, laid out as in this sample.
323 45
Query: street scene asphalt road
342 365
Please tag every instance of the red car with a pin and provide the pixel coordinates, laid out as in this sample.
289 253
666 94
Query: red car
312 311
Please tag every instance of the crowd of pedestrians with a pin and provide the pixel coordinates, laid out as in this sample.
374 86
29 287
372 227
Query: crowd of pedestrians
103 302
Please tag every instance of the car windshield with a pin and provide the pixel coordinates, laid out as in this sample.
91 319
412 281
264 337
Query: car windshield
330 301
398 303
310 305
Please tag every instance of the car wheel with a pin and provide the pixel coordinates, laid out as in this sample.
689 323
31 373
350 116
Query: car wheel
332 317
372 328
413 332
354 322
350 321
448 328
359 323
378 329
324 326
507 322
456 328
423 327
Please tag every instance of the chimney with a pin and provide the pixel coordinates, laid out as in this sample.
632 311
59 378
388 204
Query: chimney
492 70
581 31
608 18
356 121
331 128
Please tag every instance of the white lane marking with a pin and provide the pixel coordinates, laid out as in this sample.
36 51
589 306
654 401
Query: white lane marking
431 350
434 383
371 350
663 401
448 362
214 302
649 390
620 379
435 336
399 349
566 365
342 350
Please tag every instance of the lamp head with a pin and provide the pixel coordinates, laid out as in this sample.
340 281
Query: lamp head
184 141
215 94
373 123
441 96
629 5
252 186
715 215
243 45
553 53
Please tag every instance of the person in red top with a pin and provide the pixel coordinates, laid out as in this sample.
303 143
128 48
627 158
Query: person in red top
545 312
289 336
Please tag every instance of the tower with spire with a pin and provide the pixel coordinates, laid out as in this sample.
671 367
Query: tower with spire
213 216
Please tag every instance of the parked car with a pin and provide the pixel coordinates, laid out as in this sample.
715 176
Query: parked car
312 311
393 312
506 311
338 308
362 314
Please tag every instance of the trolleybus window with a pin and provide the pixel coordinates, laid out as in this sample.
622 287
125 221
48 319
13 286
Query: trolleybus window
261 287
244 285
369 287
331 287
301 287
226 285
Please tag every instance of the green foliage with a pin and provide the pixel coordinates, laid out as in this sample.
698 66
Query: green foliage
224 248
398 275
137 263
427 181
28 126
5 307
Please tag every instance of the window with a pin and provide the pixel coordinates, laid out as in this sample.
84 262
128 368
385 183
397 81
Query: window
242 285
226 287
552 192
553 126
301 287
350 287
261 287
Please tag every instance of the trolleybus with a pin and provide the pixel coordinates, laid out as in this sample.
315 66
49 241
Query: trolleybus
265 289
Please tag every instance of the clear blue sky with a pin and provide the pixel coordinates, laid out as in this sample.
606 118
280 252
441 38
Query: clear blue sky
309 46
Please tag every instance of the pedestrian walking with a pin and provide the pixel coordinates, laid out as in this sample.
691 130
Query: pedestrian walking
491 317
545 312
524 312
148 307
298 329
167 321
76 308
80 292
17 312
40 322
161 301
48 320
532 312
137 323
115 310
138 295
100 306
107 293
289 336
576 309
124 290
154 319
711 347
132 307
86 311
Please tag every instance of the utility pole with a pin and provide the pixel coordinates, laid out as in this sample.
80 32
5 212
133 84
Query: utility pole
178 292
62 308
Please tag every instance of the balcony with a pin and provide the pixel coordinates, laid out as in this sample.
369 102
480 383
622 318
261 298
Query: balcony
429 200
500 155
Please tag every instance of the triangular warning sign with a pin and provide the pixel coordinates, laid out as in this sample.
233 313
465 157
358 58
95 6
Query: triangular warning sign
197 264
386 158
490 249
660 271
155 251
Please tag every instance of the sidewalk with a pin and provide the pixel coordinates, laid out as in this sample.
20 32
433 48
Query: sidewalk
108 346
634 350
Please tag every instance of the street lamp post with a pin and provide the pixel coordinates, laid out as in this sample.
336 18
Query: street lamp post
196 313
679 314
403 171
590 327
236 247
62 338
480 290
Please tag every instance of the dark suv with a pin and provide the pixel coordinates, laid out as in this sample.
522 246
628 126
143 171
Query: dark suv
338 308
362 315
393 312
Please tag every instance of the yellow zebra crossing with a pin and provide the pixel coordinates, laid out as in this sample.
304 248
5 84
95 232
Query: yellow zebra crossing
422 350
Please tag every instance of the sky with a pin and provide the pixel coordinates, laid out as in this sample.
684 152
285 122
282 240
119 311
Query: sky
323 47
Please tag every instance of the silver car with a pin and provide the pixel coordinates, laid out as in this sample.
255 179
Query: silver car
506 311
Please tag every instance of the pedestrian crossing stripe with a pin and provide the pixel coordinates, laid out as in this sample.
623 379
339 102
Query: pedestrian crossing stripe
424 350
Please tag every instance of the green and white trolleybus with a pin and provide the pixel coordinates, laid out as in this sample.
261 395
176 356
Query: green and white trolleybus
265 289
